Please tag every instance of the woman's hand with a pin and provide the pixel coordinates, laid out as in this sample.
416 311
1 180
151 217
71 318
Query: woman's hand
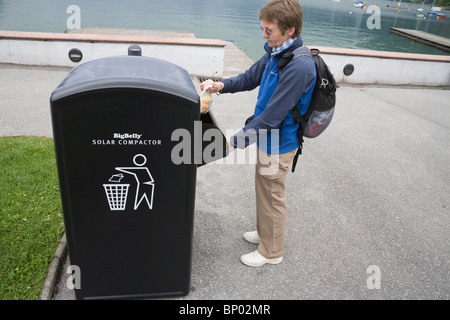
230 147
216 86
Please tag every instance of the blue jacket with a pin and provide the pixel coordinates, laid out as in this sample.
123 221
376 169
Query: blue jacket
278 94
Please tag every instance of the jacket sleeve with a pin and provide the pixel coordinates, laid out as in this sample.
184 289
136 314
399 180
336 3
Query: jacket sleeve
295 80
248 80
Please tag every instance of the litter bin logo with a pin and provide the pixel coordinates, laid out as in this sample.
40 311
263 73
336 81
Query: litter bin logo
117 193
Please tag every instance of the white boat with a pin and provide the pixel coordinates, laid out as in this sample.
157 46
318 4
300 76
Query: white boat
359 4
420 14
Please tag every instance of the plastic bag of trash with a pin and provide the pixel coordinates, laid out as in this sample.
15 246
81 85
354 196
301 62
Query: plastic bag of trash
205 100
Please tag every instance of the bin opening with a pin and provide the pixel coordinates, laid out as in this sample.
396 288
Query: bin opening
220 148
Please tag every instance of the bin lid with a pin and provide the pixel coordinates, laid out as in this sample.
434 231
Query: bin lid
127 72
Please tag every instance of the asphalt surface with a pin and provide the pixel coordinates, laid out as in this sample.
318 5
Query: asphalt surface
368 206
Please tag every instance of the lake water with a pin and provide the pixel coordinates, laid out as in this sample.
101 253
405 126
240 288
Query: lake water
326 22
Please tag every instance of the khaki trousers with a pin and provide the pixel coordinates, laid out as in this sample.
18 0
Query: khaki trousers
270 185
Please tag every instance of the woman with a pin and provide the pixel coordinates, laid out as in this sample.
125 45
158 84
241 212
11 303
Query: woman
279 93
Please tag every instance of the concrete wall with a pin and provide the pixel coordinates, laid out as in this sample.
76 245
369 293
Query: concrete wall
205 57
200 57
379 67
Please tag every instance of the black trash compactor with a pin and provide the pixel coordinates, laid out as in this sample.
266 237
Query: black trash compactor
128 137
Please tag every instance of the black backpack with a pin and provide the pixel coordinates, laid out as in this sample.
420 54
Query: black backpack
321 110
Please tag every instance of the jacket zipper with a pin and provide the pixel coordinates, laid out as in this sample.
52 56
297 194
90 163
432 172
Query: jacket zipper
270 64
281 125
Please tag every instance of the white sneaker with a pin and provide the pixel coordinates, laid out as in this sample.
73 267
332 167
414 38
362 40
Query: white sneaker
252 237
254 259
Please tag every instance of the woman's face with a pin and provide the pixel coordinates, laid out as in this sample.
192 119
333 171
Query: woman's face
273 34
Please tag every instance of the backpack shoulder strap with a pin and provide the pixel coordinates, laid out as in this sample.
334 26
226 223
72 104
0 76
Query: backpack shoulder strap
289 55
298 119
302 51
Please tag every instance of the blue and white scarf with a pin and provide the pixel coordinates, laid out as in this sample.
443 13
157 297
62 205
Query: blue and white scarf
283 46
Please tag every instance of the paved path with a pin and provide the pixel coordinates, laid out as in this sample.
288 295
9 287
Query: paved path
374 190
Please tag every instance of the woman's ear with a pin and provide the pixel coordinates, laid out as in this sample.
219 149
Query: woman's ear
291 31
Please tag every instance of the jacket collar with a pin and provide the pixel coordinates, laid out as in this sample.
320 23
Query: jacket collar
287 55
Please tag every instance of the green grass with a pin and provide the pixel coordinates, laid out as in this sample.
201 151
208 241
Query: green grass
31 221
